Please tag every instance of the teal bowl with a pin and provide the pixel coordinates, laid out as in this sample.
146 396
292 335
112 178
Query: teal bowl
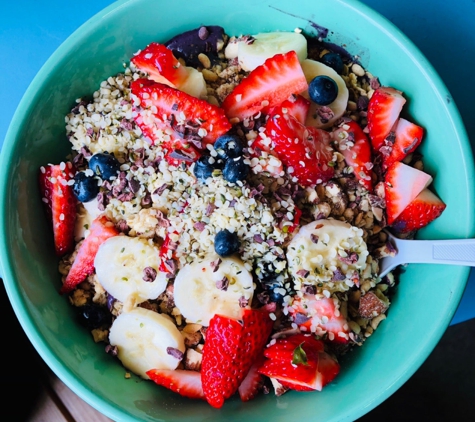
427 296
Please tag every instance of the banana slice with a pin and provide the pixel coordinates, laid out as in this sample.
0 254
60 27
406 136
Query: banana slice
194 83
266 45
213 286
326 251
143 339
128 269
319 116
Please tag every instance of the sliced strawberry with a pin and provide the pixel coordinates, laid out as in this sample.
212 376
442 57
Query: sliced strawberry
304 151
83 265
328 368
190 117
284 348
424 208
402 184
183 382
321 315
295 105
218 367
60 202
160 63
252 382
356 148
229 352
383 111
299 362
407 137
266 86
257 327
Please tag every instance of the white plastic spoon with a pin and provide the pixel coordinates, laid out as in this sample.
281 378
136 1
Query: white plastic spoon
450 252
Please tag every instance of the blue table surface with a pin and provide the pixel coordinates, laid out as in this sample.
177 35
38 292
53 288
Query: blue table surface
31 30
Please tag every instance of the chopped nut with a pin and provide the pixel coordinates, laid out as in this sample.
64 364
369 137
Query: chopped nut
371 305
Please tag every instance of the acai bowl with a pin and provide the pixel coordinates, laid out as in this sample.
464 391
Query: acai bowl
347 365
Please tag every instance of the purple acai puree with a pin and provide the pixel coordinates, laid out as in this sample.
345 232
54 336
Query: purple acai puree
190 44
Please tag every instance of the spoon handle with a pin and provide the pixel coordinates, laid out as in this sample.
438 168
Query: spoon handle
454 252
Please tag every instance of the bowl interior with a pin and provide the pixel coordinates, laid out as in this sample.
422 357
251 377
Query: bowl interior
427 296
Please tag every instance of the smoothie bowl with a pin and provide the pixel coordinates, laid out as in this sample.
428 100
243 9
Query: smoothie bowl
218 183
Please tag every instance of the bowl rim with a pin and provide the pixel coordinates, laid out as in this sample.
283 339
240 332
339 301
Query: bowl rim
12 288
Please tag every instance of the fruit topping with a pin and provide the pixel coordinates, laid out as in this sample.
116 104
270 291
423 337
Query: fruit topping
181 381
60 203
320 316
327 251
230 350
423 209
162 67
226 243
383 111
324 116
228 146
85 186
402 184
322 90
306 152
104 165
407 137
235 170
266 86
95 316
128 267
353 143
204 167
163 106
160 63
212 286
299 363
334 61
146 340
83 265
253 51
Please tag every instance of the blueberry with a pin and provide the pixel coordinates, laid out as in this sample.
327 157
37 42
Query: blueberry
334 61
204 167
104 165
94 316
235 169
226 243
85 187
323 90
228 146
273 292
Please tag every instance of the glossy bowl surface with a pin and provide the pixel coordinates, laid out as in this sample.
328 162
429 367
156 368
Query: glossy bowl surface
427 296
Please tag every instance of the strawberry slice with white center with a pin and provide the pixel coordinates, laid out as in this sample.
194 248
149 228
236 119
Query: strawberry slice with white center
189 117
267 85
383 111
354 145
299 363
321 316
402 184
295 105
83 265
253 381
160 64
425 207
407 137
60 202
305 151
181 381
230 349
